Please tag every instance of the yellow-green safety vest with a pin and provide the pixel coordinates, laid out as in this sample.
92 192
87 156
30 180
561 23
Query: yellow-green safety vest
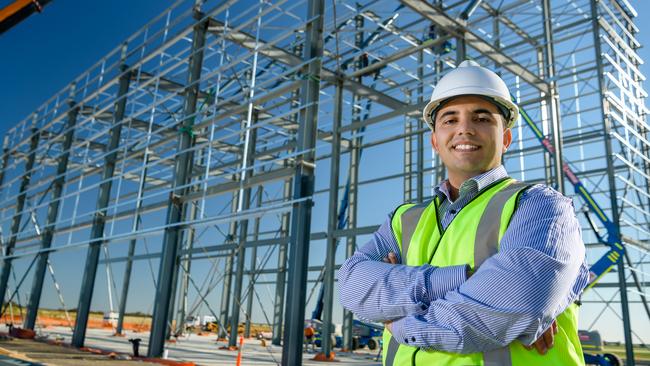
472 236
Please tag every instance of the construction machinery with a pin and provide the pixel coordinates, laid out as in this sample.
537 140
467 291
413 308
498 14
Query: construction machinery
17 11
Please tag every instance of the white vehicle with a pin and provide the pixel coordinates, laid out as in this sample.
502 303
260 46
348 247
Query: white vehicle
207 319
110 317
192 321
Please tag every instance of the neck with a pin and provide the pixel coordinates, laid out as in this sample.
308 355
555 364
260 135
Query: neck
454 185
453 191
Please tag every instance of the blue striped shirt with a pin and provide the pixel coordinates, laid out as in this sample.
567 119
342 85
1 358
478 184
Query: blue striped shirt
516 294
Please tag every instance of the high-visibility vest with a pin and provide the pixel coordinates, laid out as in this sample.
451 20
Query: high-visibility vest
472 236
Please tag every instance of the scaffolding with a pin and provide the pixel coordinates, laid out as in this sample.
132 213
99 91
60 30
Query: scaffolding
202 161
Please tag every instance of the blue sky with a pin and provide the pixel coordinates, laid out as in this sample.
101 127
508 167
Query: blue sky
45 52
42 54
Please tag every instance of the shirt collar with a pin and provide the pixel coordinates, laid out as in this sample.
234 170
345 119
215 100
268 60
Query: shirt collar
479 182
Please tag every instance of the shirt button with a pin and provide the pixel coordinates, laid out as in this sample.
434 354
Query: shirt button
423 307
453 212
412 339
406 340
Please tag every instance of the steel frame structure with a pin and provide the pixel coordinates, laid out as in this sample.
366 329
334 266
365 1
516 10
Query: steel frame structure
170 133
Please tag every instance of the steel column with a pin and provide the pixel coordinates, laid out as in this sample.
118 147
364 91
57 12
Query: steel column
332 222
553 97
253 266
548 171
174 284
5 158
131 251
18 213
52 213
439 168
420 125
408 153
227 272
461 50
354 151
97 230
248 159
351 242
186 264
281 276
182 173
607 127
303 187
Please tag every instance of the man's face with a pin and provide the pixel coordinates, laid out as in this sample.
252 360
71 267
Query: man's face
469 137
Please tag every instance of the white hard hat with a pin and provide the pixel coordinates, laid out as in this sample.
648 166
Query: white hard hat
469 78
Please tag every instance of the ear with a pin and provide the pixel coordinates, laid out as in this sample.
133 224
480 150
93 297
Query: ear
434 141
507 139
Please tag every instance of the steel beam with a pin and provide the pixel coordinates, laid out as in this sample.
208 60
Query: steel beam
175 209
303 186
99 219
52 213
276 53
501 18
17 217
459 29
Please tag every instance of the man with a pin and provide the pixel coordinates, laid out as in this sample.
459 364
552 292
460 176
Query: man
521 244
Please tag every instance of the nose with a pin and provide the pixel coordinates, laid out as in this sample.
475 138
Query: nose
465 125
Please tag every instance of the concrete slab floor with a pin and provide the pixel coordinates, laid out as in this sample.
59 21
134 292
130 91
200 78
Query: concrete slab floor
202 350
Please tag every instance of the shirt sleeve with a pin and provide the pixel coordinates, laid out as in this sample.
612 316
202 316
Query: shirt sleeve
539 271
378 291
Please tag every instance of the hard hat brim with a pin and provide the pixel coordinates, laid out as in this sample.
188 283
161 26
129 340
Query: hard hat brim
427 112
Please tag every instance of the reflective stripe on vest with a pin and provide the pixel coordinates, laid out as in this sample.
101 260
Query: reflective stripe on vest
393 345
410 220
486 244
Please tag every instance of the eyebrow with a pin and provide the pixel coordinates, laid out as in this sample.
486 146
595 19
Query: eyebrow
448 113
476 111
482 110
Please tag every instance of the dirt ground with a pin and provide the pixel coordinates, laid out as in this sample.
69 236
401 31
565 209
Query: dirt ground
136 323
40 352
48 318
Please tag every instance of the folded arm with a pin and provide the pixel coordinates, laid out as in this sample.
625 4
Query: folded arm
515 294
377 291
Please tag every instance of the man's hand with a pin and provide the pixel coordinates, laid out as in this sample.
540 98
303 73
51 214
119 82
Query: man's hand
391 258
388 325
545 342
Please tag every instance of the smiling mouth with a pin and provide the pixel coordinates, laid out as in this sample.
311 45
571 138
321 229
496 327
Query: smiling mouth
465 147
